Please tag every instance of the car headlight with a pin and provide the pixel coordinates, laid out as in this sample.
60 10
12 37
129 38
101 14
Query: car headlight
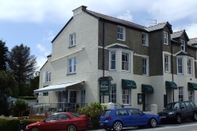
170 113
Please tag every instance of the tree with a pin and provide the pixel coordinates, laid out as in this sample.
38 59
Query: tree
8 87
3 55
22 64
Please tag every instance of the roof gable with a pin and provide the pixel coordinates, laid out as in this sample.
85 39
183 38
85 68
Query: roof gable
160 26
178 34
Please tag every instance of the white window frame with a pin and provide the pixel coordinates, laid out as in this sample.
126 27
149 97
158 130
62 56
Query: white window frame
125 65
72 40
144 39
113 93
191 95
179 65
182 45
167 63
72 65
126 96
189 66
165 38
48 76
181 93
83 97
145 66
112 61
121 34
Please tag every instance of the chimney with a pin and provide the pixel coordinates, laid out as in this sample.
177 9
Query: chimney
79 10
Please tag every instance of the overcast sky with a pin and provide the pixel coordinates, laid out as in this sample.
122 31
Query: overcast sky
36 22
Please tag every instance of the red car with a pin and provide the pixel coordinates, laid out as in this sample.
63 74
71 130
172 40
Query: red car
61 121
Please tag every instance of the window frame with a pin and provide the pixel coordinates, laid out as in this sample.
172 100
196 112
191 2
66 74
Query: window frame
182 44
121 33
181 93
178 66
167 63
48 76
145 66
111 62
165 38
113 93
72 63
72 40
145 40
125 63
126 96
190 67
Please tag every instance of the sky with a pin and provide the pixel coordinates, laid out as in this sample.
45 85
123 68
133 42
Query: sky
34 23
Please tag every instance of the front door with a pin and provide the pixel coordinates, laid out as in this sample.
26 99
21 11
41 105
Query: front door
72 96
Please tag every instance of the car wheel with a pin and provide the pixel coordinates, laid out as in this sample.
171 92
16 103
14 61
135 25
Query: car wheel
117 126
71 128
35 129
152 122
195 116
178 118
108 129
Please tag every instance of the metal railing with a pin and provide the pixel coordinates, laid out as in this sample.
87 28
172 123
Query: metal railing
50 108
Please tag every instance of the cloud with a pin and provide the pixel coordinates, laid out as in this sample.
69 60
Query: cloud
43 50
126 16
49 36
191 30
40 61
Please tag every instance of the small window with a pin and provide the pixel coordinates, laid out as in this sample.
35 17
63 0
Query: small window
125 61
113 93
180 93
48 76
144 39
145 66
120 33
72 40
126 95
167 63
165 38
112 60
182 45
180 65
72 66
189 67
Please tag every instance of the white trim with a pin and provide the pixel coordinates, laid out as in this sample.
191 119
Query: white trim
77 51
141 55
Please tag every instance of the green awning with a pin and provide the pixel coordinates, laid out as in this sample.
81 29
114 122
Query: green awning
192 86
147 88
171 85
128 84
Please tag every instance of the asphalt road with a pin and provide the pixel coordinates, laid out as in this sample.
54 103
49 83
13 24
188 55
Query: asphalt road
185 126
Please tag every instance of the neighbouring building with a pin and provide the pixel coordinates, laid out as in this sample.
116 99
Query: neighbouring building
96 57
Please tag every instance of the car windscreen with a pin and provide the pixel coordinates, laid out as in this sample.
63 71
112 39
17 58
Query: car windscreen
172 106
75 115
106 113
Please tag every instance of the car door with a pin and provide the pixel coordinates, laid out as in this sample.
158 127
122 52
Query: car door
184 110
189 109
123 115
62 122
50 124
137 117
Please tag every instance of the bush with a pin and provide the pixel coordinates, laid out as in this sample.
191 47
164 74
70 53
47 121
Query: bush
94 110
12 124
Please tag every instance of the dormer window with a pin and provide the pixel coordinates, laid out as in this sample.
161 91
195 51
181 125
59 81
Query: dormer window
165 39
182 45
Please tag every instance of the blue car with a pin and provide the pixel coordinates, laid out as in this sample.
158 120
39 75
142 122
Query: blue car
118 118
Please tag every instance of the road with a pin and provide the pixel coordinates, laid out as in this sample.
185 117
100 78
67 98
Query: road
185 126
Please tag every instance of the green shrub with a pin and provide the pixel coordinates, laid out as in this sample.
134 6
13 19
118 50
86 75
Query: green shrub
12 124
94 110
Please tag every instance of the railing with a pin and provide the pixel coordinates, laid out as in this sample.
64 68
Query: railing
50 108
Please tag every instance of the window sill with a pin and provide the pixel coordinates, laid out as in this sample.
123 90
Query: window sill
71 46
71 74
121 39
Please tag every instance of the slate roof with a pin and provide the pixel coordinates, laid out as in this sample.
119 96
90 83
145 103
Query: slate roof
177 34
184 53
192 41
116 20
158 26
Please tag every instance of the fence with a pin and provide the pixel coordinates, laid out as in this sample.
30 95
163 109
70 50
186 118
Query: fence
50 108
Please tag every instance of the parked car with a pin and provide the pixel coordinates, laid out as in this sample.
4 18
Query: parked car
118 118
62 121
178 111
